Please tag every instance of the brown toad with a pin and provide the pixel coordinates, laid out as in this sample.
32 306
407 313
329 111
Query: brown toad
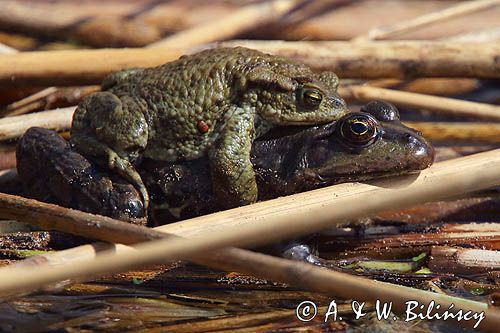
215 102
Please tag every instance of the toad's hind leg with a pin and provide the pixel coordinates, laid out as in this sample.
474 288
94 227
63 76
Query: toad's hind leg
113 132
233 176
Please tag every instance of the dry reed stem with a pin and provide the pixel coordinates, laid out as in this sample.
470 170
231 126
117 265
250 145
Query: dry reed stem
443 105
355 60
26 104
463 261
14 127
287 217
481 36
460 131
241 20
75 67
389 59
11 109
7 160
427 19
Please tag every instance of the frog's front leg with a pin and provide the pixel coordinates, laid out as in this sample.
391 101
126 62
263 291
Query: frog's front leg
113 132
232 172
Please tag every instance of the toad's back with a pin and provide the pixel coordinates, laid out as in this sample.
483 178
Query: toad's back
185 102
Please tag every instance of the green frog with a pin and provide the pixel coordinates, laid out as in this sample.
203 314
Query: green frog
213 103
362 145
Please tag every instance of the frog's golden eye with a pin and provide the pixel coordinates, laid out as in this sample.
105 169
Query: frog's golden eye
312 97
358 129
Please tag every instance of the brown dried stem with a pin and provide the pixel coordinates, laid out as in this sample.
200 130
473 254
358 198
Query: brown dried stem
14 127
448 106
455 132
74 67
355 60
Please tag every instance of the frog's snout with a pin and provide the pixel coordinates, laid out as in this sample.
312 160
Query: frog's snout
421 151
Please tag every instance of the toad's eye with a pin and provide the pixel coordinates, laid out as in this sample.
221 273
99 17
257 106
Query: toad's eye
312 97
358 129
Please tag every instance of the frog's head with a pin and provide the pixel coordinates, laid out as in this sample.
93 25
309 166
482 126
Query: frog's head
295 96
364 145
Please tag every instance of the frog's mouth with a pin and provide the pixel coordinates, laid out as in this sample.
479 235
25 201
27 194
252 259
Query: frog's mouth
318 178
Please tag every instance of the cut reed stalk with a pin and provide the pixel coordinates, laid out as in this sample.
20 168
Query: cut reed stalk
443 105
266 221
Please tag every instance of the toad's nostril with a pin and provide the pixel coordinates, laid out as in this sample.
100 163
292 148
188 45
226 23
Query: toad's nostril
338 102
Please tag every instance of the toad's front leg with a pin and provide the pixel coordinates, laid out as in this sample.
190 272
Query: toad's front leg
232 172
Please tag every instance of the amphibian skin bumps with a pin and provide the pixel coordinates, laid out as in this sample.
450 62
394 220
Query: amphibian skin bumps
215 102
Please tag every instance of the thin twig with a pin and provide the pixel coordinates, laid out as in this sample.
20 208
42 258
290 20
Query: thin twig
442 105
19 107
462 8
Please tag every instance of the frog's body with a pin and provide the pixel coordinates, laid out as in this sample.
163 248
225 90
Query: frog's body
213 103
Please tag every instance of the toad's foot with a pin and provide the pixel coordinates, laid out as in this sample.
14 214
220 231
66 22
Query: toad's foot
232 171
